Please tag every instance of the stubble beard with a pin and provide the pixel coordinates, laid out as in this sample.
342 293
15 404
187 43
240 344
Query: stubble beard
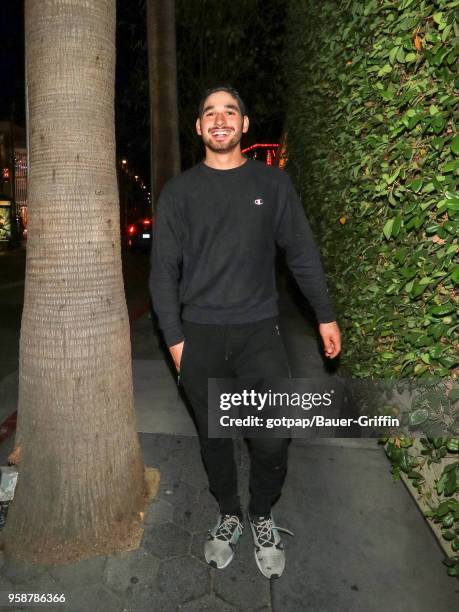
223 147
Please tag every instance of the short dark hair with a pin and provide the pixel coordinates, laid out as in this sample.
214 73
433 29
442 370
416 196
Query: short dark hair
223 87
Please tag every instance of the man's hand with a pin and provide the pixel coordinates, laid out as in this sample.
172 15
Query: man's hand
331 337
176 352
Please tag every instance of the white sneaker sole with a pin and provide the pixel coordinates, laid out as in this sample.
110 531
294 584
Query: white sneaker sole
213 563
273 576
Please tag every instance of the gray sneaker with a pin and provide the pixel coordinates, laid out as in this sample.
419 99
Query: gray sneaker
222 539
269 550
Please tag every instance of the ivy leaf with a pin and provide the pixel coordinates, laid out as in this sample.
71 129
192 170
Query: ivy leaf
452 204
438 18
415 185
414 120
418 416
442 311
396 226
442 509
451 166
428 188
450 227
455 275
448 521
387 229
386 69
400 55
417 289
415 475
393 54
453 443
436 351
432 229
455 145
393 176
449 362
450 484
438 330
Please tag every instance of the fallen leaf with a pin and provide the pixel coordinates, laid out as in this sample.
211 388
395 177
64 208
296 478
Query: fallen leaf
15 457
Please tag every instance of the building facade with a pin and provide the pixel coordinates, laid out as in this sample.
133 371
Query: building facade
13 184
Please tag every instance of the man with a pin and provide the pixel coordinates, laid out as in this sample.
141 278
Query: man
214 254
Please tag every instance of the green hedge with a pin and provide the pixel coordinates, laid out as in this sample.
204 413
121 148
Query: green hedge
430 468
373 92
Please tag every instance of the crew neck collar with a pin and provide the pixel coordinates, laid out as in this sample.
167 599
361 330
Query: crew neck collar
228 171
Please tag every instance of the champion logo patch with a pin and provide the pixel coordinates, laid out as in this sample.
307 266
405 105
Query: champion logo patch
258 201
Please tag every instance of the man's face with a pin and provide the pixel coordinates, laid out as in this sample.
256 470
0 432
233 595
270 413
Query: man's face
221 125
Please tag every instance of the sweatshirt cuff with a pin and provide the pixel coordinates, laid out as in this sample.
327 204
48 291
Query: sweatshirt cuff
173 335
326 316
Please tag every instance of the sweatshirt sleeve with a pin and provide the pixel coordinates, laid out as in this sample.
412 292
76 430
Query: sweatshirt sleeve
166 260
294 235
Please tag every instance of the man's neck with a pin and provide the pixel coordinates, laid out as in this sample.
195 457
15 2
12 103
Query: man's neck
224 161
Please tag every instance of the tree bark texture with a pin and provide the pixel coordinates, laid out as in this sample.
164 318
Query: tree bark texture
162 68
81 483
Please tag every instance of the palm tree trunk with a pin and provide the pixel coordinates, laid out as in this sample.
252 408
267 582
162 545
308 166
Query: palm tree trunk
81 482
164 130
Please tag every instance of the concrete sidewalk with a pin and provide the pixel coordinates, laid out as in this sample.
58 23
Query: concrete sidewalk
360 542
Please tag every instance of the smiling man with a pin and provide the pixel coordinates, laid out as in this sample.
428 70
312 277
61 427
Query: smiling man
213 289
221 124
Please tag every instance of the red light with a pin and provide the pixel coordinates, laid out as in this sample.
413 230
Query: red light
131 229
261 146
146 222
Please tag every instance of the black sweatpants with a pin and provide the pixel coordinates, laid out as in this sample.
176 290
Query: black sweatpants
248 350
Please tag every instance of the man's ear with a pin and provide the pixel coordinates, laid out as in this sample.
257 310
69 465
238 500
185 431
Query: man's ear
245 124
198 126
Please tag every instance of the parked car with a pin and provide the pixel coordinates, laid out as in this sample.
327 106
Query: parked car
139 234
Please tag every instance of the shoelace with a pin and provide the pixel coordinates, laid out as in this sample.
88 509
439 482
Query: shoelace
264 530
227 526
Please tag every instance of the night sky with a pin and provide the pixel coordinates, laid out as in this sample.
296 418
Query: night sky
12 98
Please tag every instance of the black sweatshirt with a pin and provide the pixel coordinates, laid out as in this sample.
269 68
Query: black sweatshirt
214 248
